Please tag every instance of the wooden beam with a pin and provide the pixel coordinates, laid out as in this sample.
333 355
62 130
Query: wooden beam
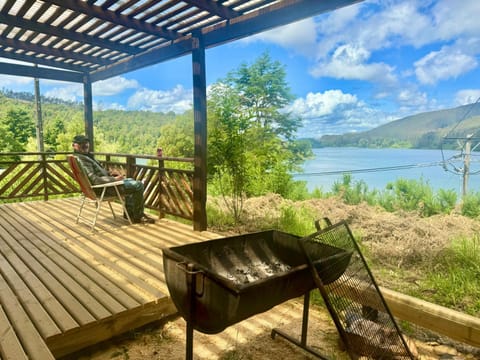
268 18
149 58
41 61
200 134
41 73
119 19
16 44
217 34
453 324
63 33
214 8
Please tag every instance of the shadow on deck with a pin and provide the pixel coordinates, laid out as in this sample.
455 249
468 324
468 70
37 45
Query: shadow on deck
78 287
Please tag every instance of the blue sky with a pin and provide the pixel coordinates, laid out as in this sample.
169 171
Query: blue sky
350 70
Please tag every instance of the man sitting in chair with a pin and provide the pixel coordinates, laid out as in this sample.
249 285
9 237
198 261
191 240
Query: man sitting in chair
133 189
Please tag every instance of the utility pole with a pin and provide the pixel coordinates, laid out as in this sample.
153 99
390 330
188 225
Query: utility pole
466 164
38 110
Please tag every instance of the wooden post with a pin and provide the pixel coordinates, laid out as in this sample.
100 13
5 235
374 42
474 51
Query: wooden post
200 133
466 164
38 111
161 180
88 110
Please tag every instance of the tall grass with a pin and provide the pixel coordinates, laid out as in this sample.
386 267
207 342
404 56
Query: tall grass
453 280
402 194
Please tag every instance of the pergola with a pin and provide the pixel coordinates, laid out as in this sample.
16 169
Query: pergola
85 41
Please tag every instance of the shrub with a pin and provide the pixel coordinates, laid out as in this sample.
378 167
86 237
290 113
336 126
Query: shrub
298 221
471 205
416 195
353 192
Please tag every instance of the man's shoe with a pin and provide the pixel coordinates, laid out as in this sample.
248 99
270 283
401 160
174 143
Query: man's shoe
144 219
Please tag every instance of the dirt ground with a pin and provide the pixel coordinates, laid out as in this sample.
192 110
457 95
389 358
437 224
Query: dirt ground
397 239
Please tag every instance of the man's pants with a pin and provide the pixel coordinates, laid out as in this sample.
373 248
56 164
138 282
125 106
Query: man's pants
134 198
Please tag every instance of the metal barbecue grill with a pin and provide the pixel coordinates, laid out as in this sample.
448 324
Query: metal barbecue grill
217 283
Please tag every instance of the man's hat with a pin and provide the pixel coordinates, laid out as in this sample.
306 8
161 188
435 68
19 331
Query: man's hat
80 139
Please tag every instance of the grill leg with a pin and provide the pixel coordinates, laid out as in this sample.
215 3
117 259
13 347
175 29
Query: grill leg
191 290
303 340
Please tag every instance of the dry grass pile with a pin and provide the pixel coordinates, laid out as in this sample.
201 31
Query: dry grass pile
398 239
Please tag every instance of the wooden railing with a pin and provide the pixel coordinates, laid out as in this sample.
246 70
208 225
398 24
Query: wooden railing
168 190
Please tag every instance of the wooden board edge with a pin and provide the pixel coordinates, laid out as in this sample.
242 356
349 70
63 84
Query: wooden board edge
105 329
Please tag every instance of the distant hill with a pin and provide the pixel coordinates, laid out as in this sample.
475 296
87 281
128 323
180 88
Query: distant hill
425 130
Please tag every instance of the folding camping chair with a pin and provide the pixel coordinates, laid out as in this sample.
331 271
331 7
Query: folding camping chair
89 194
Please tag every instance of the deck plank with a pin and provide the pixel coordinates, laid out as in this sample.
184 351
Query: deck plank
10 346
76 287
25 331
16 240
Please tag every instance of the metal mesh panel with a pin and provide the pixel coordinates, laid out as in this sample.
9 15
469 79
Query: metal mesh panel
360 313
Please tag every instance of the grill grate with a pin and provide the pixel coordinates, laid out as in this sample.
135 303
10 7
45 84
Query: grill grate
361 315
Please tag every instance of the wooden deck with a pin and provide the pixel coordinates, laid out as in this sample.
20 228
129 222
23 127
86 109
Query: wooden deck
69 287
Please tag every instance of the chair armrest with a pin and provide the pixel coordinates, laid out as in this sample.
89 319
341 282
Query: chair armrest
109 184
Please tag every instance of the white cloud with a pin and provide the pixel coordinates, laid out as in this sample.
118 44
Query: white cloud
456 18
74 91
70 92
349 62
177 100
15 81
113 86
100 105
467 96
321 104
299 37
334 112
413 98
449 62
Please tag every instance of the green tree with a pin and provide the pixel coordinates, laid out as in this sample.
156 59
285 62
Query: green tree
20 127
247 122
263 92
228 140
176 138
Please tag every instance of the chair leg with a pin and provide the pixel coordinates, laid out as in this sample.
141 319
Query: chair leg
82 204
99 205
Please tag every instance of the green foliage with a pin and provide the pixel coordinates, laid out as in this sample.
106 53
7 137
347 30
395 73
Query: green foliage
218 218
416 195
454 276
402 194
471 205
17 127
297 221
177 137
353 192
135 132
251 147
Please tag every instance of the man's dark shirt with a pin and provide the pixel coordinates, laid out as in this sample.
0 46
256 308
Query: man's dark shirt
95 172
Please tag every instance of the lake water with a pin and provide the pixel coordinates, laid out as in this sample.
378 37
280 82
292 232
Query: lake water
377 167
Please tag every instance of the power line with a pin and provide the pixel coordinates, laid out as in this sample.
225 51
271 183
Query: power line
379 169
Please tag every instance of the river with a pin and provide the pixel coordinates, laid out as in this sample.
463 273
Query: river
378 167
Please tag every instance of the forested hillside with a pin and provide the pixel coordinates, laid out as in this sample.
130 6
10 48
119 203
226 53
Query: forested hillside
135 132
425 130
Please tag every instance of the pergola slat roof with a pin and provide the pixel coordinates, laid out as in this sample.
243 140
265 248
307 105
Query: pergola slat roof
90 40
104 38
